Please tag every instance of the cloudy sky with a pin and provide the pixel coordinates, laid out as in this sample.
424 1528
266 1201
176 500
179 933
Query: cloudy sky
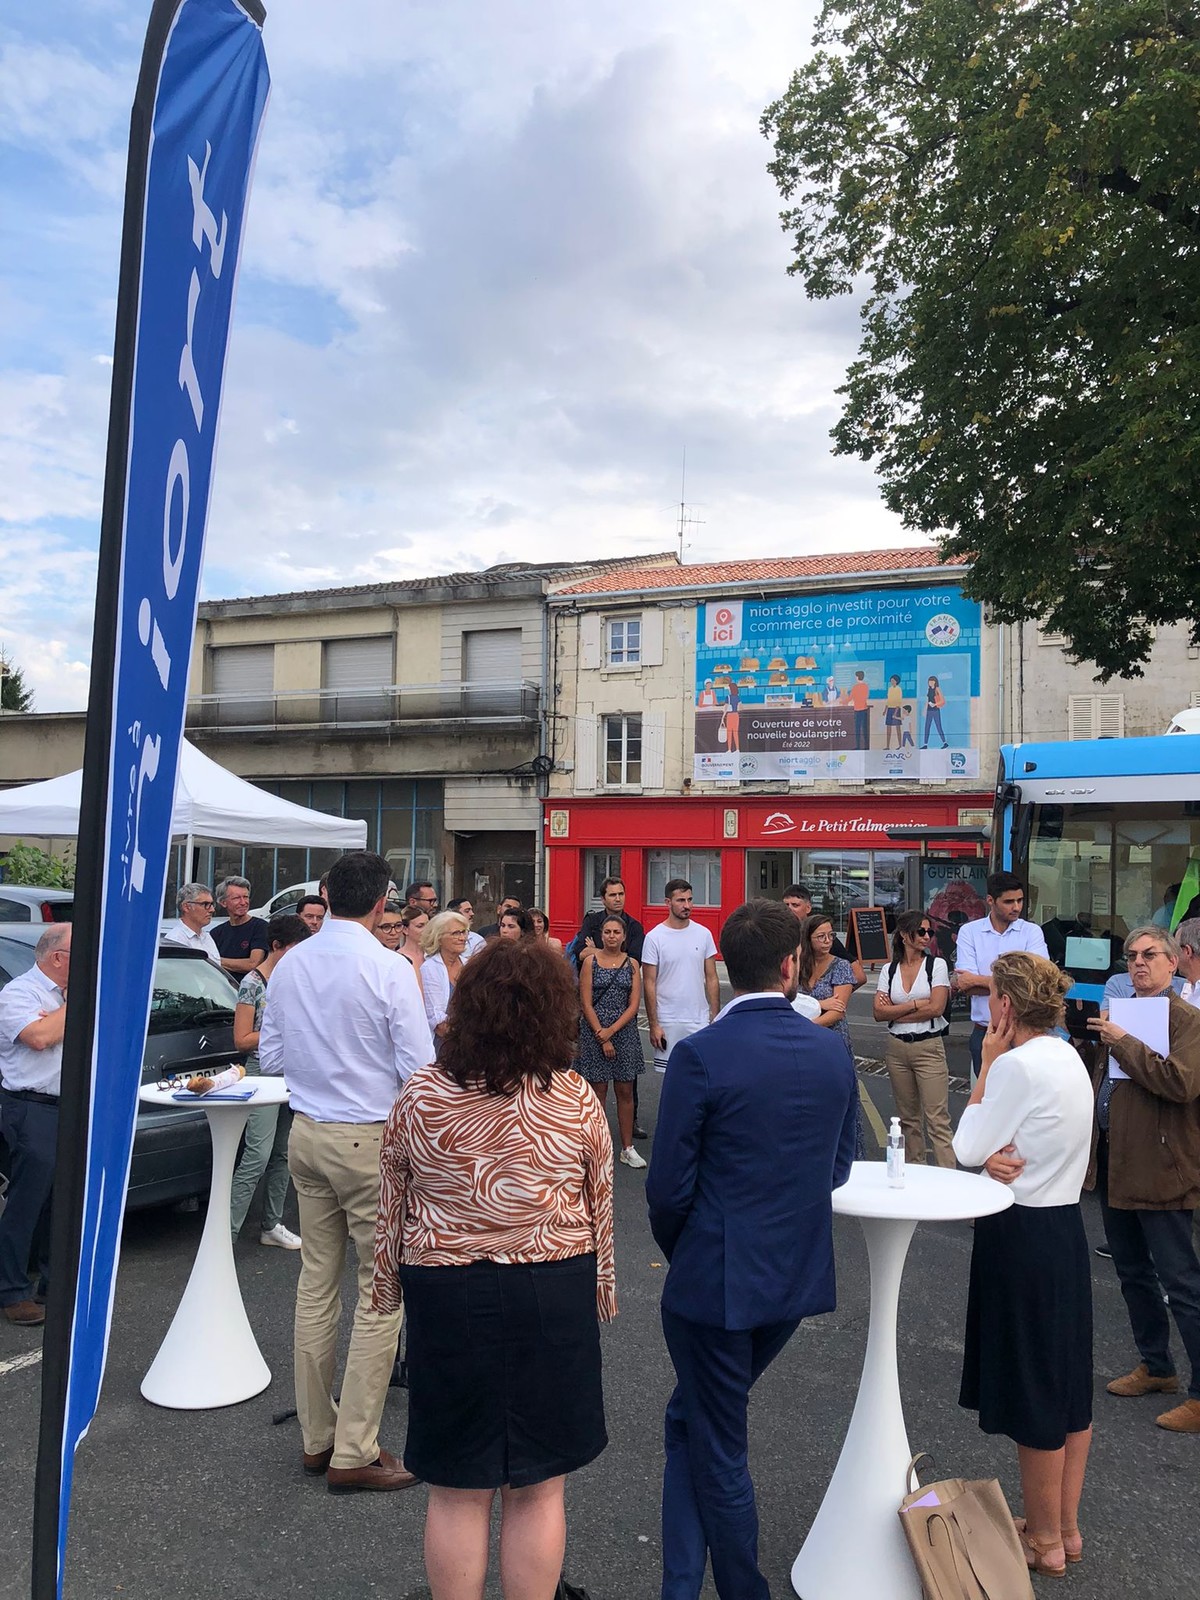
505 261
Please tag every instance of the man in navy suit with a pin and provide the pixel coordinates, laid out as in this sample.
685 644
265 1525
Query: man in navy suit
756 1128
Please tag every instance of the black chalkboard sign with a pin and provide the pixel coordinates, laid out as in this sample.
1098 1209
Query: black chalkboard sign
868 928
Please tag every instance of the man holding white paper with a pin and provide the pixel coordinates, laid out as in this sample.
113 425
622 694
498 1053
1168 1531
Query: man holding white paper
1146 1166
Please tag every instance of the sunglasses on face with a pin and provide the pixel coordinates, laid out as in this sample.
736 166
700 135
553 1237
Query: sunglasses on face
1143 955
923 933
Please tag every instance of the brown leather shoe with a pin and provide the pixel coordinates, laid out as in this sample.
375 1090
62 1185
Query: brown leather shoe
381 1475
1140 1382
26 1314
316 1465
1181 1419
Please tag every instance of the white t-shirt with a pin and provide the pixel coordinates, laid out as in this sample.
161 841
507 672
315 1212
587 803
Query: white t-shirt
919 991
679 955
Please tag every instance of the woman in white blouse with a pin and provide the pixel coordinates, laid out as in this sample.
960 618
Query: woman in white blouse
911 999
444 943
1027 1359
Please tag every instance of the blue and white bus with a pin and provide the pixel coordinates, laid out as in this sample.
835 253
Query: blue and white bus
1101 831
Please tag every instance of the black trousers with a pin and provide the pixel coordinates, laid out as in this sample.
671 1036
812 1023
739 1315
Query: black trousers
31 1130
1153 1252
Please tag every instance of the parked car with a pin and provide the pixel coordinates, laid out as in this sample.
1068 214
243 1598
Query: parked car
286 900
190 1030
21 904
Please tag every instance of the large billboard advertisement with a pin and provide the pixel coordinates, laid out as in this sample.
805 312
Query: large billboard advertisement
838 687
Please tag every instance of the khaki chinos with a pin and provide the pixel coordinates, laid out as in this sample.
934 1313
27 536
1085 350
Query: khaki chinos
920 1083
335 1167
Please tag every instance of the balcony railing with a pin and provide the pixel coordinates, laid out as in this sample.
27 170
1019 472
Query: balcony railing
383 706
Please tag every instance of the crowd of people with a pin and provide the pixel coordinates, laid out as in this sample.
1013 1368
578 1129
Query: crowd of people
446 1113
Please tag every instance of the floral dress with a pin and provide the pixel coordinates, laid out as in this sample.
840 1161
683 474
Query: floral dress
611 991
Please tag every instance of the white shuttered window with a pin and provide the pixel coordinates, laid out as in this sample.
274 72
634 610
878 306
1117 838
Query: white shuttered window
356 676
492 669
244 675
1096 716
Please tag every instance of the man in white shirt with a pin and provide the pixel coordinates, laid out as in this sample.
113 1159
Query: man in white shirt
679 975
1187 936
345 1025
979 943
33 1015
195 905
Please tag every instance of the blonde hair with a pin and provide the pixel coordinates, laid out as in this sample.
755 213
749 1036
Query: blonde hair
1034 987
445 922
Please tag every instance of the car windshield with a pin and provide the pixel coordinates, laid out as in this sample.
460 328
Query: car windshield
189 991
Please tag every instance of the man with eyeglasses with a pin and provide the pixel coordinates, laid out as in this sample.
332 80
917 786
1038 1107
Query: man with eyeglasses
1003 930
423 896
196 905
1146 1170
33 1016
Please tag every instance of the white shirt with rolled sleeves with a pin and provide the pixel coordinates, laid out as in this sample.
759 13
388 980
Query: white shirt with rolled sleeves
192 939
979 946
1039 1098
27 998
344 1026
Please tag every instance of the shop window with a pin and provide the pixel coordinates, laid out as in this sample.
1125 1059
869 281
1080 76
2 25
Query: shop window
701 868
623 752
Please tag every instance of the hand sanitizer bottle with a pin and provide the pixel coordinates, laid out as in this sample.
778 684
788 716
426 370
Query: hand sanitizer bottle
895 1156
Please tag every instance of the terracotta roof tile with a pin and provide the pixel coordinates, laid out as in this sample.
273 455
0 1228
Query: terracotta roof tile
716 574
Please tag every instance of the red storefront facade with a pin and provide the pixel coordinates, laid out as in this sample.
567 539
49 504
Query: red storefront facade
732 847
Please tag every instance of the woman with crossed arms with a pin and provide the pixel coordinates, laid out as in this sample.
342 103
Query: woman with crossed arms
1027 1358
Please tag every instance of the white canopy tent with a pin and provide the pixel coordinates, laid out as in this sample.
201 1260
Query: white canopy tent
211 805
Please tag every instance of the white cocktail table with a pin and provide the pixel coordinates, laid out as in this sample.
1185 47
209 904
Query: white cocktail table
209 1357
855 1549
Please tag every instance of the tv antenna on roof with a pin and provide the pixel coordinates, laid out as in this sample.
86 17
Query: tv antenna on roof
685 522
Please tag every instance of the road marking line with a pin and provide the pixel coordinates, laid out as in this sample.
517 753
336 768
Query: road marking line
873 1117
17 1362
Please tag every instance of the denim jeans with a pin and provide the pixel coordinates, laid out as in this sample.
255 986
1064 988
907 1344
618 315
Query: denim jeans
1152 1252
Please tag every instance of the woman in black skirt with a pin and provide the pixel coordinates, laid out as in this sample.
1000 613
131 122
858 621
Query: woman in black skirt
1027 1361
495 1217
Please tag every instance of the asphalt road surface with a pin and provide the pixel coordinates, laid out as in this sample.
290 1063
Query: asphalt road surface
203 1504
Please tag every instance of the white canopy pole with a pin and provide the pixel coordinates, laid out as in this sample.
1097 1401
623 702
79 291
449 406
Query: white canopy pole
187 859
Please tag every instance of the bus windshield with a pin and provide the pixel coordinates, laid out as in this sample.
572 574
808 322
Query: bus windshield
1105 869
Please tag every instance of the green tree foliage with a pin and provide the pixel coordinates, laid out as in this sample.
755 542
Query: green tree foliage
26 864
14 695
1016 186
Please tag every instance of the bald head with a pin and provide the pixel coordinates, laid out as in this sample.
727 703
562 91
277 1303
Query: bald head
53 952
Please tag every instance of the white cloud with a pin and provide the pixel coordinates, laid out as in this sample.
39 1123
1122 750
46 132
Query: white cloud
502 265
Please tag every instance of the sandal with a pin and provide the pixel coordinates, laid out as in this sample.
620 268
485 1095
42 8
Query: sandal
1039 1550
1074 1550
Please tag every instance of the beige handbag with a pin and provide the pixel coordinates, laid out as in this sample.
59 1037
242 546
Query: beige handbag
963 1540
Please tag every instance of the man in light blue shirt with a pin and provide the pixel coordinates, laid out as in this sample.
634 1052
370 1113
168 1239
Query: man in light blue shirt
979 944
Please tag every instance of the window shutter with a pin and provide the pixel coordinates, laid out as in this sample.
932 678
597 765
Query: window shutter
240 671
492 656
587 750
1110 716
654 748
590 641
652 637
356 675
1096 716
